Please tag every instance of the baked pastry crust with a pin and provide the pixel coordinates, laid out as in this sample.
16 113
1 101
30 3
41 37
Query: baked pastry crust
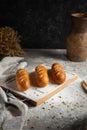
58 73
84 85
22 80
41 76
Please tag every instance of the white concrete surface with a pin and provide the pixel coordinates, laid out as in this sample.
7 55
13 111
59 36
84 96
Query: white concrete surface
68 108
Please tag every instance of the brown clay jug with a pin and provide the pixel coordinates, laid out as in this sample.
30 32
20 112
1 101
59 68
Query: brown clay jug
76 44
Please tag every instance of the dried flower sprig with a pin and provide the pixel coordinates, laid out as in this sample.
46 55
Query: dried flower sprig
9 43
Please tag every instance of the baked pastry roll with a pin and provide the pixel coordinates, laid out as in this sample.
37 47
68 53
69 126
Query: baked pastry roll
22 80
41 76
58 73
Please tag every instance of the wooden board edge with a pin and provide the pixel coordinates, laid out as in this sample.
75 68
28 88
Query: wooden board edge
55 91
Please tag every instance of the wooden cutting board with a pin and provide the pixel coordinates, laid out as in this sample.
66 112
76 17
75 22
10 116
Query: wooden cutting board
37 95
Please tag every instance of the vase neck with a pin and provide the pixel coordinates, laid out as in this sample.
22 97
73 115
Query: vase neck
80 25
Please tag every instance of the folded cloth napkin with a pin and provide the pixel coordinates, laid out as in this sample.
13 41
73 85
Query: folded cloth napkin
9 65
8 120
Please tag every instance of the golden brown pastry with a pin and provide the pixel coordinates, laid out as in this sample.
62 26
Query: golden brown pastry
58 73
22 80
41 76
84 85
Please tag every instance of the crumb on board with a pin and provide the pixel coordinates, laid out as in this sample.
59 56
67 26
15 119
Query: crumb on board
43 107
53 117
64 103
32 127
59 97
37 117
52 106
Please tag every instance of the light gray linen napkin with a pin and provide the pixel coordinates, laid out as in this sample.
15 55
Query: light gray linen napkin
13 112
9 121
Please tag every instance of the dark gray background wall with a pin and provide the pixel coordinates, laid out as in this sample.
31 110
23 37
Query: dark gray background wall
41 23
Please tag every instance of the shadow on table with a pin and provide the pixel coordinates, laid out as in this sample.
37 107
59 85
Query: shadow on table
48 53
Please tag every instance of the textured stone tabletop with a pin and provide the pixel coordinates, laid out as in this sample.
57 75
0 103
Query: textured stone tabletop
67 109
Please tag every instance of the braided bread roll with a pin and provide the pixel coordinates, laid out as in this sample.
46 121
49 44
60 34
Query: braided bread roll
41 76
22 80
58 73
